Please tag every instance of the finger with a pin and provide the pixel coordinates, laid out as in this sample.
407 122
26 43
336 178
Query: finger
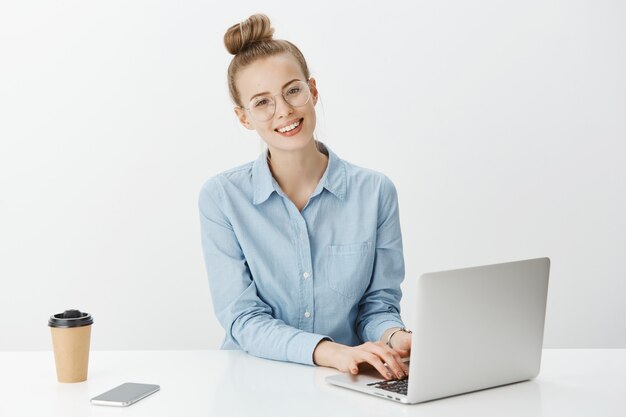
377 363
403 353
353 368
397 364
392 358
398 358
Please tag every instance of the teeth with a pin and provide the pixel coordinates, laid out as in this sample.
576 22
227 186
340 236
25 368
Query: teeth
290 127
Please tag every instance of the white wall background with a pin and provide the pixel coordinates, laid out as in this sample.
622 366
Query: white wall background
502 125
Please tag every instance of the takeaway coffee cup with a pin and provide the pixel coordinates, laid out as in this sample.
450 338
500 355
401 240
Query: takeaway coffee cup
71 334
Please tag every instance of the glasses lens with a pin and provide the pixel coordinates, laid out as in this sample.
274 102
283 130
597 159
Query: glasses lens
297 94
262 108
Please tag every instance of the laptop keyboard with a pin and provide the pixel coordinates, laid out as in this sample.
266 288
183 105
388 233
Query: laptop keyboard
398 386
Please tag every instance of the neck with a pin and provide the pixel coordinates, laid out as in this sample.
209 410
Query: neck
298 170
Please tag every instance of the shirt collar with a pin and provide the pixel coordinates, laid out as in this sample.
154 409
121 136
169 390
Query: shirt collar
334 178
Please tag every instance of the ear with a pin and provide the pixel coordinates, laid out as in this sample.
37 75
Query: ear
314 91
243 118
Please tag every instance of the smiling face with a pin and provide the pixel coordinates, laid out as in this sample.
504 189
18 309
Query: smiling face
272 76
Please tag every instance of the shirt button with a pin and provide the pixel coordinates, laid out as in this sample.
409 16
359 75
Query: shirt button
305 275
307 314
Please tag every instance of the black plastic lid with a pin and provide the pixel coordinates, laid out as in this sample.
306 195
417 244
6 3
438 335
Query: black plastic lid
70 318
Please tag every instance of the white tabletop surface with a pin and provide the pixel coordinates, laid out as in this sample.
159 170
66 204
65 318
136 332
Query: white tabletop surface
572 383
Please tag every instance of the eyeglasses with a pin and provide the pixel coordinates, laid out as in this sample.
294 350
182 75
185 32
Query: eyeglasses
296 94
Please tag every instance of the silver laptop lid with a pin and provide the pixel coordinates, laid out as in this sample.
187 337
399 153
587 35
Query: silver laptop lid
478 328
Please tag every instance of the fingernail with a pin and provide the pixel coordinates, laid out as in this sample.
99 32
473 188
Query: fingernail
400 374
389 376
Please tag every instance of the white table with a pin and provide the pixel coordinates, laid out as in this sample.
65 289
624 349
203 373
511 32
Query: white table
572 383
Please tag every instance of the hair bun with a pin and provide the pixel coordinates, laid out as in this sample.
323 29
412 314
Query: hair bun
255 28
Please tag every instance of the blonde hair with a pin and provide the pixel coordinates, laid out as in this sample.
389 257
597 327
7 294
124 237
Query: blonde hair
252 40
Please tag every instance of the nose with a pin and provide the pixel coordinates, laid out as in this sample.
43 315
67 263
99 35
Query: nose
283 109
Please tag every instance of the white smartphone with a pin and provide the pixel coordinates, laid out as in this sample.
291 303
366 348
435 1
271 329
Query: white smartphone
125 394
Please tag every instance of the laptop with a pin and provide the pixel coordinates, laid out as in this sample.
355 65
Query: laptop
475 328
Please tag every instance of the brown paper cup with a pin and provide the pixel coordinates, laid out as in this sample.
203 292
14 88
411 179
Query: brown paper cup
71 336
71 352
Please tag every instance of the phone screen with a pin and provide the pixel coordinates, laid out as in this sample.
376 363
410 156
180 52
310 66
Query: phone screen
125 394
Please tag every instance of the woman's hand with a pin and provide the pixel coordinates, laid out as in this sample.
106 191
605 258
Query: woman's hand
401 342
348 358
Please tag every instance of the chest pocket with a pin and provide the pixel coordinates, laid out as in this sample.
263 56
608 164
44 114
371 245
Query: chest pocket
349 268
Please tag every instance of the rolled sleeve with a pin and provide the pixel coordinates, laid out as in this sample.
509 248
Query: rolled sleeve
301 347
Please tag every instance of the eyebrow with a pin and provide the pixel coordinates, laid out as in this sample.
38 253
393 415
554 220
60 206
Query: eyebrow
267 92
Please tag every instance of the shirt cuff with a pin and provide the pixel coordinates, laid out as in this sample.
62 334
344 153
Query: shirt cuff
301 347
374 331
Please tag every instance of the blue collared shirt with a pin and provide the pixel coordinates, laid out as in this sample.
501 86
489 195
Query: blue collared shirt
282 280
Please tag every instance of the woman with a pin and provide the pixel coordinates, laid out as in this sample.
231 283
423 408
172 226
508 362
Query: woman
303 250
